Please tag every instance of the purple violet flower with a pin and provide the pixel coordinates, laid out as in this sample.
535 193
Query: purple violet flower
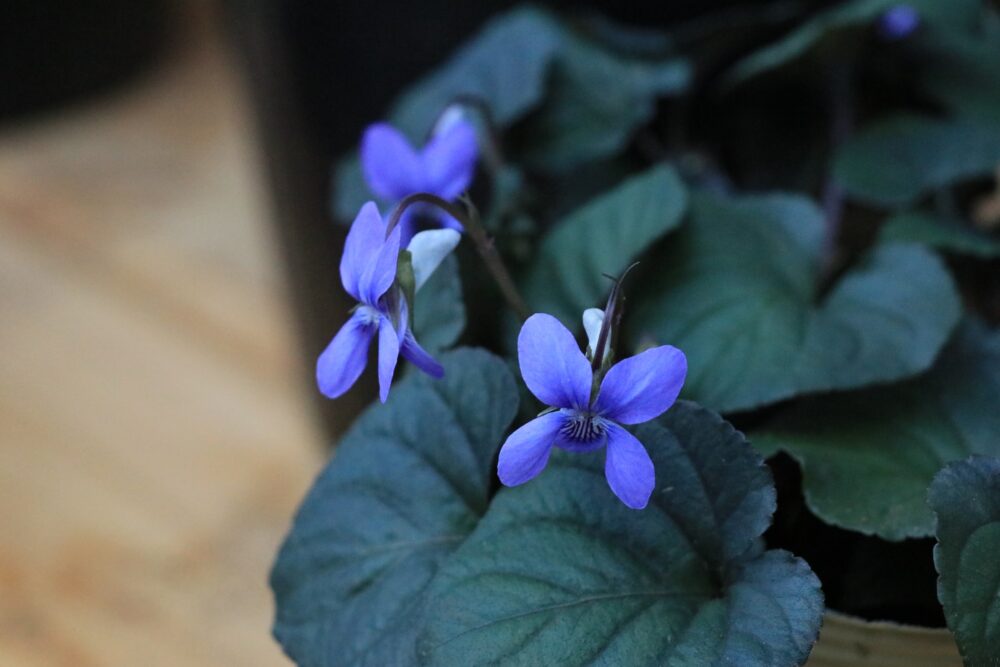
393 168
898 22
368 273
632 391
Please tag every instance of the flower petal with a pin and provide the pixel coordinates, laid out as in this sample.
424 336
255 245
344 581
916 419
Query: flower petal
364 240
391 166
446 220
593 320
552 364
381 271
428 249
419 357
343 360
388 354
628 468
526 450
449 159
642 387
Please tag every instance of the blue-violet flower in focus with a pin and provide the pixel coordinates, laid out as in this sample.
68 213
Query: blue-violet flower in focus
368 273
898 22
632 391
393 168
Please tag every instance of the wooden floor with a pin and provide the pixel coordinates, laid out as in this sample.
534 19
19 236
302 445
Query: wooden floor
155 432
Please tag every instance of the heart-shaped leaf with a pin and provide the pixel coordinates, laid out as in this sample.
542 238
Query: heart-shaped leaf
942 233
602 237
965 497
842 22
407 484
504 67
868 457
736 288
561 573
595 101
439 312
895 162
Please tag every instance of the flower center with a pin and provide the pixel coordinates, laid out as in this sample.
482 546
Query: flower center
369 316
583 426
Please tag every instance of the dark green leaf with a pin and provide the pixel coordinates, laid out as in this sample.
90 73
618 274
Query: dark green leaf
439 312
736 288
965 497
408 483
942 233
868 457
798 42
843 19
561 573
602 237
962 72
595 102
504 66
894 162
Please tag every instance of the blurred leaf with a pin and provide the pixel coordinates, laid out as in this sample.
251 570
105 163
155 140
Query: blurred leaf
896 161
868 457
603 237
965 497
595 102
407 485
840 21
737 289
505 66
561 573
439 312
803 38
942 233
962 72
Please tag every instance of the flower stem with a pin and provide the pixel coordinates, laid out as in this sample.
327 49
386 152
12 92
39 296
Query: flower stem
469 219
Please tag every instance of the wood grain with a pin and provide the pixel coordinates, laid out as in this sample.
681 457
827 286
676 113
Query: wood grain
155 435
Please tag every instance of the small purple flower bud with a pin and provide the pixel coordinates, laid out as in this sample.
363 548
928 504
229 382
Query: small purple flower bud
898 22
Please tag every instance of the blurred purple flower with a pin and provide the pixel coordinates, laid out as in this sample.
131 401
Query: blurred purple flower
633 391
368 271
898 22
393 168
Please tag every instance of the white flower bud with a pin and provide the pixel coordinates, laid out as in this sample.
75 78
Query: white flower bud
428 249
593 319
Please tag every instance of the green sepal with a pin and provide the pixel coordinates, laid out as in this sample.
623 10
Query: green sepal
406 281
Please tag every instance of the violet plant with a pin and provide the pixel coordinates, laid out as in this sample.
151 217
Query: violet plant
828 280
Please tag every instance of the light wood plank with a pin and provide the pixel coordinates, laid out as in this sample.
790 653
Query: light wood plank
155 434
